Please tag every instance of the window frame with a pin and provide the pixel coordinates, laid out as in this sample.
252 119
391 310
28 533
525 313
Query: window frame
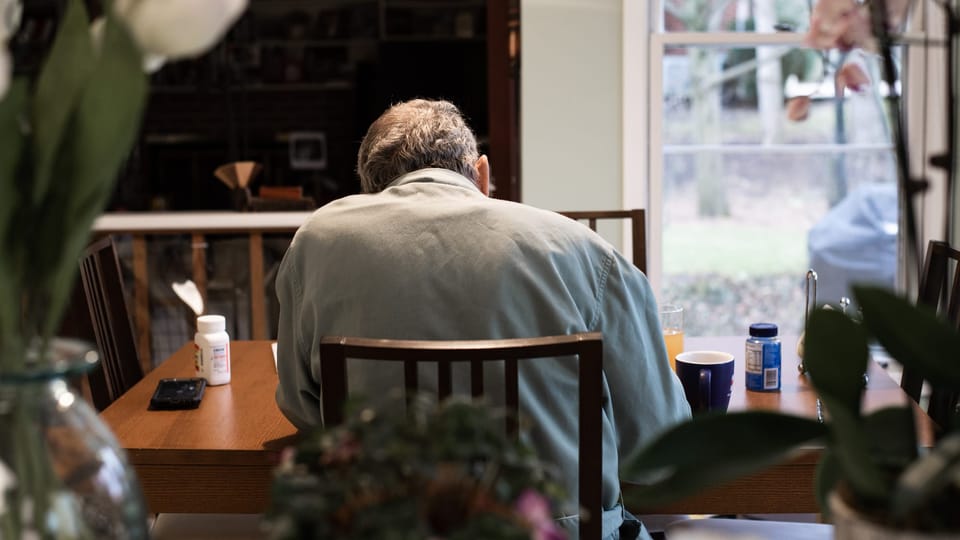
645 42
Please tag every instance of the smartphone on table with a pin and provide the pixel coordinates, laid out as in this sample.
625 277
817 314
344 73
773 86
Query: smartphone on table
178 394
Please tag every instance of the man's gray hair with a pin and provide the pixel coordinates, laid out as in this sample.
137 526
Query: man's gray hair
415 135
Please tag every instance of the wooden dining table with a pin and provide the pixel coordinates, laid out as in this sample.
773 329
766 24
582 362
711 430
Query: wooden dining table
788 487
219 457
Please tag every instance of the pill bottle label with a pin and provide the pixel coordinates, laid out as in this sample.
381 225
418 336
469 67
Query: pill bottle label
220 364
197 360
762 365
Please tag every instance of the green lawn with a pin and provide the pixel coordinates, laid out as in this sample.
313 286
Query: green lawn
723 247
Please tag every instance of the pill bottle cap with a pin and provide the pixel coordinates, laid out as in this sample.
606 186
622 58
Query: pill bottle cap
763 330
208 324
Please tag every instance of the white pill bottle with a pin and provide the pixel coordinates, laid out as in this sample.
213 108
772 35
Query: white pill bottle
212 349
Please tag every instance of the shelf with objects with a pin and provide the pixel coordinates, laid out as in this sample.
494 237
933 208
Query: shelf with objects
323 69
436 20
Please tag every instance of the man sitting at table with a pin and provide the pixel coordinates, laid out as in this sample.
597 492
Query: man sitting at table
424 253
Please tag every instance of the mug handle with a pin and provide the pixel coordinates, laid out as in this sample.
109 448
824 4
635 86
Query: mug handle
706 377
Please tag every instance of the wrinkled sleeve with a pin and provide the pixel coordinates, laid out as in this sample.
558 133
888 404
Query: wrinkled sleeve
646 396
298 393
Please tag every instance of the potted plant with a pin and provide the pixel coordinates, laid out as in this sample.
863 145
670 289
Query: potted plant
66 129
446 471
872 469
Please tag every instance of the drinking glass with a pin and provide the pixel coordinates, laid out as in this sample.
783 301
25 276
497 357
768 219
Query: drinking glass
671 322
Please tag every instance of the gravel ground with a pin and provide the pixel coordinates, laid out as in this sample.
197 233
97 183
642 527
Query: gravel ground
707 301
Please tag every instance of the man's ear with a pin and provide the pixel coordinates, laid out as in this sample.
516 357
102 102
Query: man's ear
483 175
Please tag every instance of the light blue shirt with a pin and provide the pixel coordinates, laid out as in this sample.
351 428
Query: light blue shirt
431 257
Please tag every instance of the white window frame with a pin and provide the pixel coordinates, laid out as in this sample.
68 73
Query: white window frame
644 41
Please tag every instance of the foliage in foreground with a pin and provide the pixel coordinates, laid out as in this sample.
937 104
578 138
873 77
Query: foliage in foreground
873 460
443 471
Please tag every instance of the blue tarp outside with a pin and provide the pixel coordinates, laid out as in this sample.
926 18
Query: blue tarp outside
855 242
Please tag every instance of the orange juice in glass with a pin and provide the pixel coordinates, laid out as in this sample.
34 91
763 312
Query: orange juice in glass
671 322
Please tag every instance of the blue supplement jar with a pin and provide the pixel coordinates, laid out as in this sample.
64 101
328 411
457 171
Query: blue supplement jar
762 358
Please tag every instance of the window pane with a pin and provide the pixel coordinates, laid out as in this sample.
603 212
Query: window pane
752 200
735 15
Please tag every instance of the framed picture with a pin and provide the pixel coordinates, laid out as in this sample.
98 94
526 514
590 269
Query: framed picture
308 150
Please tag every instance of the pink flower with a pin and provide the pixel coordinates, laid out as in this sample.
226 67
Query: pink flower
798 108
535 510
345 449
851 76
845 24
842 24
897 12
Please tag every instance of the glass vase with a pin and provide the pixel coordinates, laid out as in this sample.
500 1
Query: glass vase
62 473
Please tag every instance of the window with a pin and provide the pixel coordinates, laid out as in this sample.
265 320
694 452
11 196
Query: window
743 200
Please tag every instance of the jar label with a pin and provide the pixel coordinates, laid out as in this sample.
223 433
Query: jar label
762 365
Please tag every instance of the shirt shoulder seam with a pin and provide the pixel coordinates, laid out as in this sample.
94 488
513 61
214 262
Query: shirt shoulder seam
601 290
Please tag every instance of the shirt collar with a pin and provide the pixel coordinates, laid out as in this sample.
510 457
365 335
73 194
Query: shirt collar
440 176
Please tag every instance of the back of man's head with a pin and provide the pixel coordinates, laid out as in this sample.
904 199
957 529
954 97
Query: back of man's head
414 135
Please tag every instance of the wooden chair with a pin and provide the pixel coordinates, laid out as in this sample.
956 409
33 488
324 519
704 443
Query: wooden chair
120 369
587 346
638 227
113 331
940 289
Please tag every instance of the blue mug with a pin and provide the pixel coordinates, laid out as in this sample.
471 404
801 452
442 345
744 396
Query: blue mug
707 379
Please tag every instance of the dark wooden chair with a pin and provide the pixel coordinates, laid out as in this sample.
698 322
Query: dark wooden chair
102 284
444 354
940 289
638 228
120 369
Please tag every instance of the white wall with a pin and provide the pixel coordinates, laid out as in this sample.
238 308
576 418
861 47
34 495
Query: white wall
571 104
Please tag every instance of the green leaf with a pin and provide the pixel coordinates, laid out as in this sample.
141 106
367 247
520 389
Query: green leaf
892 436
103 128
107 118
871 465
711 449
852 449
827 477
912 334
928 477
60 85
836 356
12 112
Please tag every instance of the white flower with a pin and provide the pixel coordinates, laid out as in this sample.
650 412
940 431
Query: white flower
6 66
10 11
151 62
178 28
8 481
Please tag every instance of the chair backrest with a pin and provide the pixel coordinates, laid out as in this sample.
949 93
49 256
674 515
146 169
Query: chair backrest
334 352
940 289
638 228
102 284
